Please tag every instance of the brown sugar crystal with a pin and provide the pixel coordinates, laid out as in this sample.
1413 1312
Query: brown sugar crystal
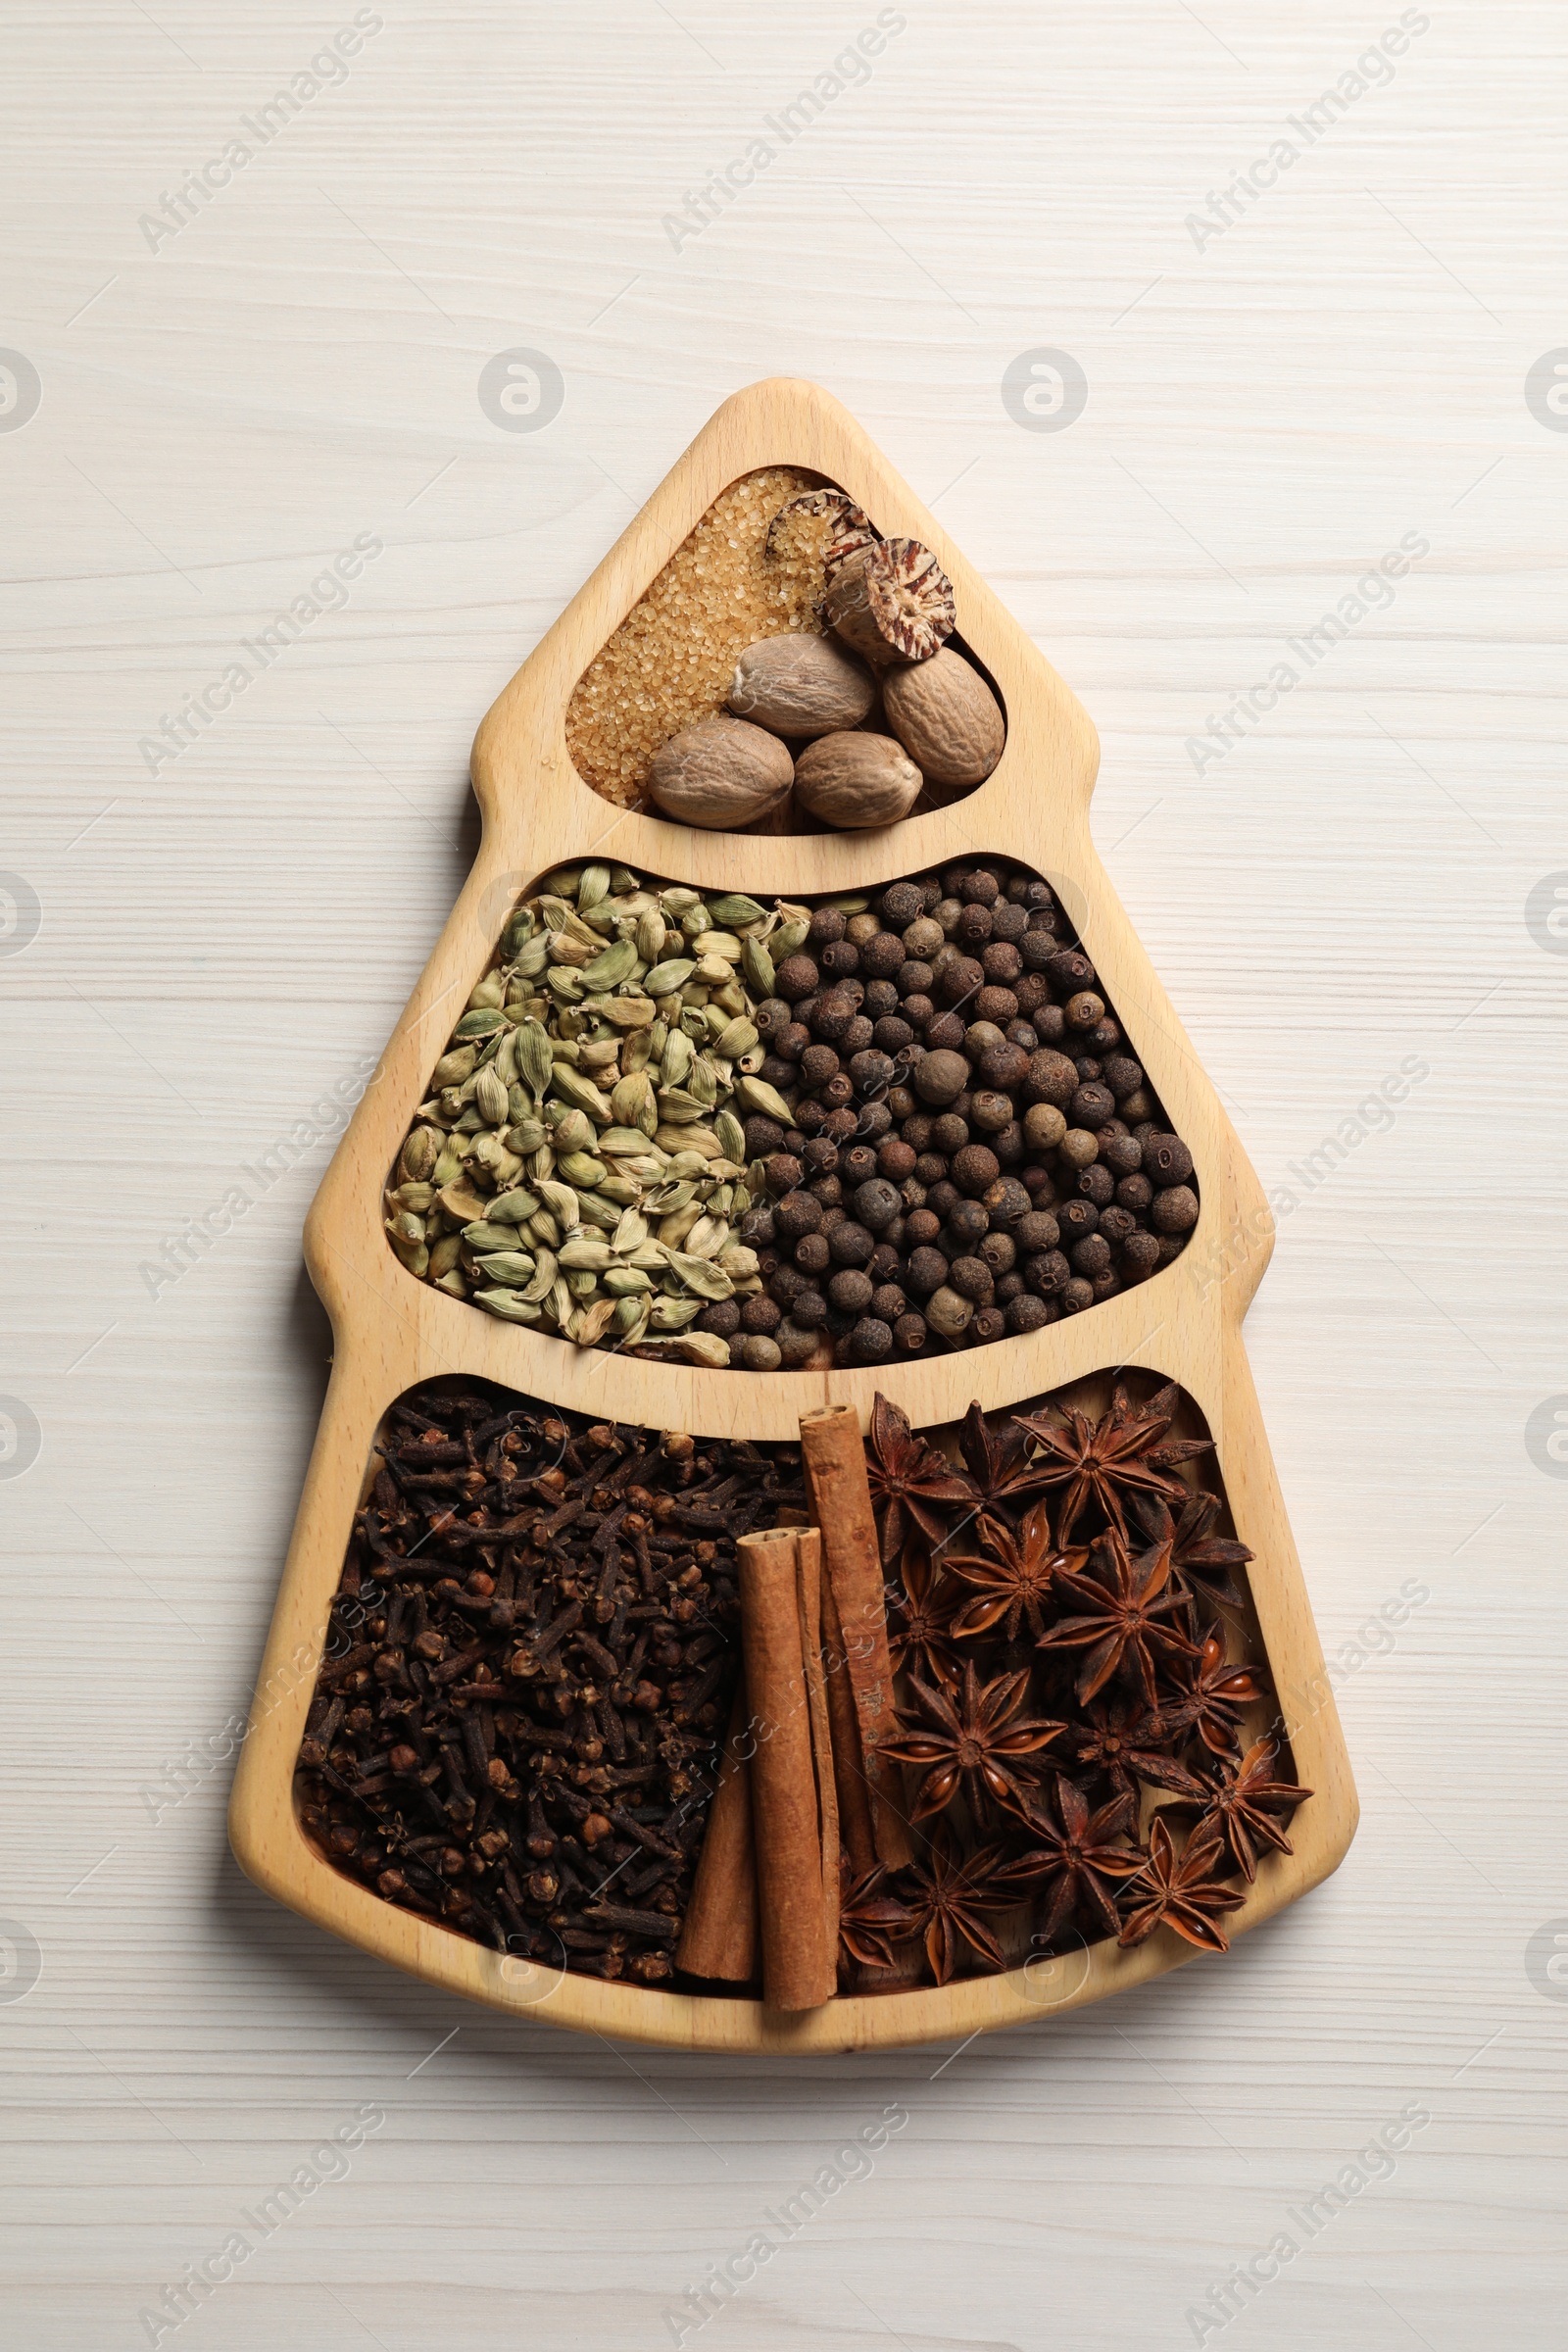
671 661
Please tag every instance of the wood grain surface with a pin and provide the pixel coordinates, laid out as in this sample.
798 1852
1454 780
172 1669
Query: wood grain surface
1352 887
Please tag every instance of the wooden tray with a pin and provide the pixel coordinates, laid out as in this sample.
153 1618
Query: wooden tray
391 1331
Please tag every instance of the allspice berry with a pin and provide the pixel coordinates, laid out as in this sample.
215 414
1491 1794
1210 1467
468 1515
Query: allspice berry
1174 1210
947 1312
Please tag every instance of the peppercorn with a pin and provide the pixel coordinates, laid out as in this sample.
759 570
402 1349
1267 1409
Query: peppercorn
1174 1210
761 1313
926 1271
1139 1256
974 1167
900 904
850 1290
1168 1160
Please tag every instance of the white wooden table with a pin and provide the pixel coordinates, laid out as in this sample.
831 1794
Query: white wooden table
223 936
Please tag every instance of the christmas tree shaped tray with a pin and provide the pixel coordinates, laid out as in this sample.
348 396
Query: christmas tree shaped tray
392 1331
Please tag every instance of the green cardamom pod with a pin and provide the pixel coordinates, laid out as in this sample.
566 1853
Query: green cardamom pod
491 1100
420 1197
673 1315
593 885
445 1254
665 978
585 1252
486 1022
544 1277
561 1202
405 1226
421 1154
790 935
758 968
574 1131
626 1282
730 1136
607 970
453 1068
631 1231
701 1082
597 1210
484 1238
452 1282
446 1168
531 961
677 1059
651 935
733 912
512 1208
525 1135
754 1094
512 1266
534 1058
583 1171
735 1039
510 1305
631 1318
621 1142
570 1086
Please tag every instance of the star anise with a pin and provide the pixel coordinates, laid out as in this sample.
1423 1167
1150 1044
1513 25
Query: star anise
1123 1625
970 1741
1210 1703
1011 1578
1183 1892
1128 1745
1107 1461
911 1482
1078 1858
1238 1803
919 1619
1000 1463
948 1899
1200 1561
871 1920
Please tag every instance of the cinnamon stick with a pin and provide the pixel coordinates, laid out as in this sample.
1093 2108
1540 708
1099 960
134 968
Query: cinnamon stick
808 1600
839 1496
848 1776
787 1775
721 1937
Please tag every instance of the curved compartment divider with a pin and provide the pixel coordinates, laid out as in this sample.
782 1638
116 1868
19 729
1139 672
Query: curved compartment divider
391 1331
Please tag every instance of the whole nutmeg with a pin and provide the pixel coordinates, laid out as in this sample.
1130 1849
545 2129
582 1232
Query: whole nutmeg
947 718
800 685
852 780
721 773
